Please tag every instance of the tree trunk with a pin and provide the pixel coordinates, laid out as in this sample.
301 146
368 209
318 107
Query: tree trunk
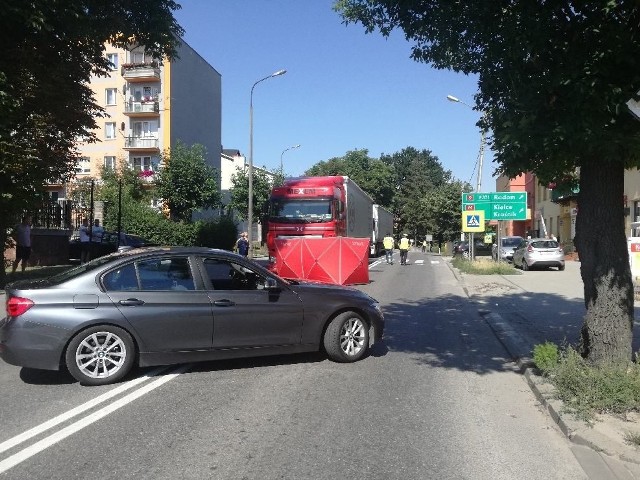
607 331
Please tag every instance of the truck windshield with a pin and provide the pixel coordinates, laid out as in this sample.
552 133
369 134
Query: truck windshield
306 211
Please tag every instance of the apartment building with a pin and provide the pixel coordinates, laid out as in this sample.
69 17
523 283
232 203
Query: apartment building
150 106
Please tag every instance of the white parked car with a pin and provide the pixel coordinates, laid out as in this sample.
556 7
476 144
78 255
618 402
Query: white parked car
538 253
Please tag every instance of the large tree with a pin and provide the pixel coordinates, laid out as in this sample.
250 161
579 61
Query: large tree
187 183
415 174
372 175
554 78
55 47
262 185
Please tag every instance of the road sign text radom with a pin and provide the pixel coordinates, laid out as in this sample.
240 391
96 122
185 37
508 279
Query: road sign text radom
497 205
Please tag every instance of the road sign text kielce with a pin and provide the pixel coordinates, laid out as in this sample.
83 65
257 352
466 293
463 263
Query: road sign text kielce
497 205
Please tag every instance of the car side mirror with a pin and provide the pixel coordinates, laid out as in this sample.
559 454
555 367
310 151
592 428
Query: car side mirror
271 284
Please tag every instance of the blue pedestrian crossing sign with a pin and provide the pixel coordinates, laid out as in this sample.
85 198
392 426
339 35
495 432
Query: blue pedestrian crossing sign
473 221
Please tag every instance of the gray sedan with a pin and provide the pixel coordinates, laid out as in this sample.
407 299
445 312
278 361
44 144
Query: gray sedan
156 306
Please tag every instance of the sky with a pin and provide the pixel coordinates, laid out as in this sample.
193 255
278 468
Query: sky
343 90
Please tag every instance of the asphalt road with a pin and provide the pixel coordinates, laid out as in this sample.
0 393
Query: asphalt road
440 399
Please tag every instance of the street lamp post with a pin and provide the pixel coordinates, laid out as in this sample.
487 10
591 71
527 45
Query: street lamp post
451 98
286 149
250 173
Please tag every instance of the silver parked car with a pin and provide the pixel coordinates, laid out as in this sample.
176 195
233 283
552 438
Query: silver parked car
165 305
507 246
538 253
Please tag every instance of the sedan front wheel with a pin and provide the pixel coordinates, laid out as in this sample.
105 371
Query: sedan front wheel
346 338
100 355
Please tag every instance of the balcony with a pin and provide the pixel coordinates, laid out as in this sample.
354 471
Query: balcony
142 109
142 143
141 72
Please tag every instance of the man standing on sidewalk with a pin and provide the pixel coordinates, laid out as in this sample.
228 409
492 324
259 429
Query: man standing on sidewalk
22 236
404 249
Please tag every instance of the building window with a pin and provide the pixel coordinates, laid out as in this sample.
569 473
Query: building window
141 164
110 130
111 96
141 129
109 162
84 165
113 60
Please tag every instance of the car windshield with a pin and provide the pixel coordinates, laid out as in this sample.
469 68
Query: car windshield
80 269
316 210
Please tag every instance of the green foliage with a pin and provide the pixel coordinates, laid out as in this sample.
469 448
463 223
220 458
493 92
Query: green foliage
484 266
187 183
372 175
415 175
46 103
262 185
586 388
546 356
439 211
219 233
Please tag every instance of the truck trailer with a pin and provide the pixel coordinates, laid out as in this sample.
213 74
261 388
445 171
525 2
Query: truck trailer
318 207
382 225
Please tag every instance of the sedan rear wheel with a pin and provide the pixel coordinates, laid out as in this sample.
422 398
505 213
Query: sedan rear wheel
100 355
346 338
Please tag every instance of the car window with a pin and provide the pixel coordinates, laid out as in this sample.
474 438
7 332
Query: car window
165 274
228 275
151 274
545 244
122 278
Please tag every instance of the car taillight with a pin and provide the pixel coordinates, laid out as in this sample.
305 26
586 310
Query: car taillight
16 306
529 248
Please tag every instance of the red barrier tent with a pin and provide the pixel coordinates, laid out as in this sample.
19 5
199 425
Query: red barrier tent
340 260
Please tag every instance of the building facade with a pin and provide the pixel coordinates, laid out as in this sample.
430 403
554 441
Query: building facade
149 107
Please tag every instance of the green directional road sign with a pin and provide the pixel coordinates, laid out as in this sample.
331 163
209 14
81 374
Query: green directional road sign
497 205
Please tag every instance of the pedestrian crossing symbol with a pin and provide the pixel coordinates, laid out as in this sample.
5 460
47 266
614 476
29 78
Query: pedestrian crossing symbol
473 221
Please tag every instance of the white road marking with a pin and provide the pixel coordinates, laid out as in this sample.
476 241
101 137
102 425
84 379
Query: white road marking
419 262
47 442
43 427
434 262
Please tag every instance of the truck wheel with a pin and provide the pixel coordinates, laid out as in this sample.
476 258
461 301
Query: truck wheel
346 338
100 355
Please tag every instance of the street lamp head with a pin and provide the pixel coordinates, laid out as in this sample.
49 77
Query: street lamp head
279 72
451 98
296 146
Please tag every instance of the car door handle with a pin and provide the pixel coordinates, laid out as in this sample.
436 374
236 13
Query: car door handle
224 303
131 302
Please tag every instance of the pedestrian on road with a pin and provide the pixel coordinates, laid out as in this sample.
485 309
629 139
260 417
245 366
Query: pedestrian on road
243 244
22 236
387 243
424 245
404 249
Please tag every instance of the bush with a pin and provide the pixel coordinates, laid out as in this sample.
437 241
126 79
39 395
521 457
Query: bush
546 357
219 233
586 389
484 266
